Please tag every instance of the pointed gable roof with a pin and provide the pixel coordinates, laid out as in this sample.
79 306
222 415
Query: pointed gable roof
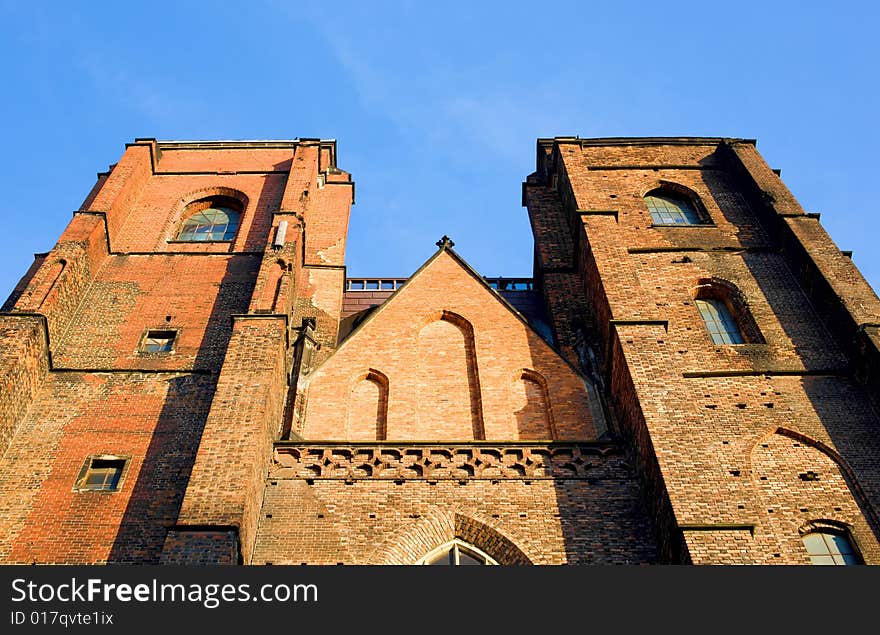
488 361
445 246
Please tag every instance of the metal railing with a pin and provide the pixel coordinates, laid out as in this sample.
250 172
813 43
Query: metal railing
511 284
373 284
391 284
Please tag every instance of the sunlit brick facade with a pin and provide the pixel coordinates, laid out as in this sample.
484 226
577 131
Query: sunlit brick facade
690 376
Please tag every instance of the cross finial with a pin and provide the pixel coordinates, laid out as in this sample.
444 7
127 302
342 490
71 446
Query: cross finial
445 242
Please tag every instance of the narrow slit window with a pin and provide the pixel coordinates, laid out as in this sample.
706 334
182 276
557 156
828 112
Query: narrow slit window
720 323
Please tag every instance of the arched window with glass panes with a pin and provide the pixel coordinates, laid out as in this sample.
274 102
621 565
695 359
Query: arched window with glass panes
724 313
210 219
719 321
669 207
457 553
828 547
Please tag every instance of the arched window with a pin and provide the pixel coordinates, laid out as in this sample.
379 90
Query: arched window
215 218
719 322
457 553
725 313
672 208
830 548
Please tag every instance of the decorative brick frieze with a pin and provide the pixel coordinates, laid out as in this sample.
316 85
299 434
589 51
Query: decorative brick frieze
442 461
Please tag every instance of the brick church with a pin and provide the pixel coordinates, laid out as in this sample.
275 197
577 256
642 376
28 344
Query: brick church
691 376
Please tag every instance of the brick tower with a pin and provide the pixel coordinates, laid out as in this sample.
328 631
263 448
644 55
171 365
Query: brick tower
737 345
146 357
691 376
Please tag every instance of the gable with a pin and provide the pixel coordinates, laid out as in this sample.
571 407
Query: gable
458 364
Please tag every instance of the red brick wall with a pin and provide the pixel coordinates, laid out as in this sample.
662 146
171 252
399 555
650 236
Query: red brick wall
695 410
194 294
425 352
57 287
102 395
123 186
225 488
211 158
155 218
740 449
23 367
156 419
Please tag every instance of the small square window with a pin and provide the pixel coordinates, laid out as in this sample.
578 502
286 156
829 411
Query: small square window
101 474
158 341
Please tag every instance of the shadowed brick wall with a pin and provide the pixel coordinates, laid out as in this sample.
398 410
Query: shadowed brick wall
154 418
394 503
696 411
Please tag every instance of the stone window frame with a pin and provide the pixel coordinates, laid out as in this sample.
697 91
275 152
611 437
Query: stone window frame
158 329
80 484
729 295
676 191
455 547
833 528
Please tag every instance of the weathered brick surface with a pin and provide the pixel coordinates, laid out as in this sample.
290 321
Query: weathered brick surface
595 518
163 200
695 411
193 294
122 186
443 415
209 547
154 418
23 367
225 487
322 195
275 289
319 297
148 407
57 287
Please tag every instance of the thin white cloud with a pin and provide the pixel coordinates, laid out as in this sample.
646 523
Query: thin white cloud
425 96
143 94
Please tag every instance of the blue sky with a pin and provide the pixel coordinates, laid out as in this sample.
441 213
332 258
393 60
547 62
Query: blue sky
435 106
